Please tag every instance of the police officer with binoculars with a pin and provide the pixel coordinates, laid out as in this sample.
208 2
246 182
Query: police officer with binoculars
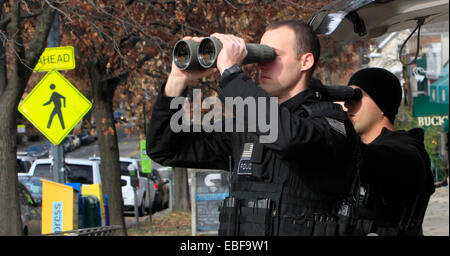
302 183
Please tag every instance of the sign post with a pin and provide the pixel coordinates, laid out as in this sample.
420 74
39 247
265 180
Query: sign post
57 151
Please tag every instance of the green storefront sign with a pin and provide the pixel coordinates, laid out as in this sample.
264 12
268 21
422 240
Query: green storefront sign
429 113
433 110
146 162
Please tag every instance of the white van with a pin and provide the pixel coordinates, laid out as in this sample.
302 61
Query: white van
78 170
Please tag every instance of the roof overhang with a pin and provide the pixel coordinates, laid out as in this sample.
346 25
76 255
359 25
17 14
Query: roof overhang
350 20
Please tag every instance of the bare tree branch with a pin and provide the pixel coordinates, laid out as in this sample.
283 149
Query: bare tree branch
17 40
57 9
37 44
7 19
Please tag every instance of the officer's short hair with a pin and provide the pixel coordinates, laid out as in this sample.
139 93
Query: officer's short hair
307 40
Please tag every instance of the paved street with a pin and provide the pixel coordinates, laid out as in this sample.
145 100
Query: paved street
128 147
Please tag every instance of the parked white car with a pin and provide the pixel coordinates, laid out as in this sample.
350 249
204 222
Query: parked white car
142 190
145 197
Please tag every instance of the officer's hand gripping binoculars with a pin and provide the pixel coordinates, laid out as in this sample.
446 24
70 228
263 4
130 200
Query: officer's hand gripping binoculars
191 55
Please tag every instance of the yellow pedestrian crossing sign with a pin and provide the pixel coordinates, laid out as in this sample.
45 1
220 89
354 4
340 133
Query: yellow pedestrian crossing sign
54 106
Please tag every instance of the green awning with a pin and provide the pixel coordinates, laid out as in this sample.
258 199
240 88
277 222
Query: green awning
439 89
425 106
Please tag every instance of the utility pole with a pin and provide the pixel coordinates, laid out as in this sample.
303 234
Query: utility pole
56 152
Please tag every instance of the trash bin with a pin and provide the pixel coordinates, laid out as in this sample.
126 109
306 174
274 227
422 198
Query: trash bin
95 190
59 207
91 212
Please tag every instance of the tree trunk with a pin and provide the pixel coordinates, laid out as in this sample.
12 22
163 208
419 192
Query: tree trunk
103 93
181 199
11 90
10 221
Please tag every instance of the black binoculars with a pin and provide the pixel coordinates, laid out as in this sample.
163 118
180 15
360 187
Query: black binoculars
190 55
334 92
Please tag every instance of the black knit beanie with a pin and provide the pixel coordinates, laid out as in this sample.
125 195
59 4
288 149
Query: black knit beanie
382 86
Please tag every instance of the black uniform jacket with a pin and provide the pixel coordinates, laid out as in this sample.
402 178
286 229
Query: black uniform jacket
396 168
317 150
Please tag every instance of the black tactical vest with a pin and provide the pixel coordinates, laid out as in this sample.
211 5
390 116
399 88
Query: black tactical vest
285 203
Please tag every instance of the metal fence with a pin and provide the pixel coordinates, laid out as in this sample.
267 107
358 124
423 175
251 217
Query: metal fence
96 231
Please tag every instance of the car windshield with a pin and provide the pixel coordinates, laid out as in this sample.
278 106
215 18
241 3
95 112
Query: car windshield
80 174
43 170
35 148
124 168
33 185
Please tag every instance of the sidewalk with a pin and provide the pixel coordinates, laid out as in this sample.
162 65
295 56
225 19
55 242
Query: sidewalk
164 223
436 222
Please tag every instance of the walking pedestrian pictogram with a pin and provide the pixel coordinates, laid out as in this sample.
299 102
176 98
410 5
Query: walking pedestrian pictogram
56 99
54 106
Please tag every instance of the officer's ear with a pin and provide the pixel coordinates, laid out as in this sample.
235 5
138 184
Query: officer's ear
306 61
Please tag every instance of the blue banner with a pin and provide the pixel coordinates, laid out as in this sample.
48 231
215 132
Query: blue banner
212 196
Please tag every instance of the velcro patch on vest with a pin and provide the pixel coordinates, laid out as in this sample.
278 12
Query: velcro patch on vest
245 164
337 125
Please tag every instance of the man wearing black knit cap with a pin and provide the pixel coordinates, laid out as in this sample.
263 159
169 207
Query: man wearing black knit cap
395 175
